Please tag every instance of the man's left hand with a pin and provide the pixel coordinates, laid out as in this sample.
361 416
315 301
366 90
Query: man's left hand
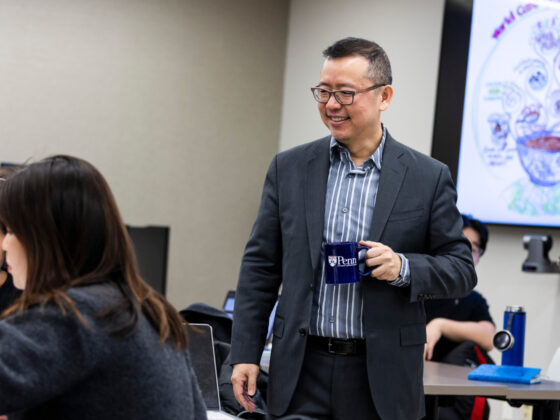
386 262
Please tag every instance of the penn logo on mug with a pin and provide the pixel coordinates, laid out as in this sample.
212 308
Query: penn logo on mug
341 262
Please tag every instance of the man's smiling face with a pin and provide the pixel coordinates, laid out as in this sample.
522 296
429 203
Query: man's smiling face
361 120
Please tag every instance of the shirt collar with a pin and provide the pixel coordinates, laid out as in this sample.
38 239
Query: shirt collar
336 149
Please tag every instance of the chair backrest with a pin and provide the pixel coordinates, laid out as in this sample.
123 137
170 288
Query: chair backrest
151 244
553 371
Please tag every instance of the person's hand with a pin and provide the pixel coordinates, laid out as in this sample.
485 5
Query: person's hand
386 262
244 381
433 334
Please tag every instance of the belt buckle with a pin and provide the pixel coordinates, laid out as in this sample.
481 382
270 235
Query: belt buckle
347 345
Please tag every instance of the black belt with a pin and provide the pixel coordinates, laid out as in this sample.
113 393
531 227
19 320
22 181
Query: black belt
337 345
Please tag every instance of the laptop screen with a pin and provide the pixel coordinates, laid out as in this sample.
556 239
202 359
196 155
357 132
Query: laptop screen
228 303
228 309
201 350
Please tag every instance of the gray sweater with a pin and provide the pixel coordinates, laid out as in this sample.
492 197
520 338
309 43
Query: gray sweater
52 367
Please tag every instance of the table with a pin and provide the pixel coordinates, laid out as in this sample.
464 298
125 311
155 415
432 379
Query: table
442 379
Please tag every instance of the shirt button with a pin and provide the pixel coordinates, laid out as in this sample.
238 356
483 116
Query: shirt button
302 331
331 320
344 210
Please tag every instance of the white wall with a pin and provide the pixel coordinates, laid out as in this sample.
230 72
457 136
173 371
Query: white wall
410 32
177 102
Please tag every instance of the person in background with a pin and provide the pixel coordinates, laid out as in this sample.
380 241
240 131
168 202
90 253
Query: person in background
8 292
350 351
460 331
451 322
88 338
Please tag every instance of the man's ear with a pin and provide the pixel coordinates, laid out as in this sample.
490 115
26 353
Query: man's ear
386 96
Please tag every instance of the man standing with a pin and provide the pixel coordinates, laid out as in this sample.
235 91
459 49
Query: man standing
350 351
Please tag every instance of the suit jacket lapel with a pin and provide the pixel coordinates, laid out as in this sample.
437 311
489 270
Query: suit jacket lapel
315 191
392 175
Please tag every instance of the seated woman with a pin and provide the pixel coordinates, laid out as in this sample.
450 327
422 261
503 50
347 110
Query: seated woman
88 338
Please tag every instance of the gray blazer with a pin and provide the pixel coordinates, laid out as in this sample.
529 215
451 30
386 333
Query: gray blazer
415 214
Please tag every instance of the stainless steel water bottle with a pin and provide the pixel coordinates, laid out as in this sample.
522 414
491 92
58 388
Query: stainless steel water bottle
511 340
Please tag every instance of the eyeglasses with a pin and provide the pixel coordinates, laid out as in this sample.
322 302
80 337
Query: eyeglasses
476 249
343 97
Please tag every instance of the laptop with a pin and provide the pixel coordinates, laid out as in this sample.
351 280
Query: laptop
229 303
227 307
201 350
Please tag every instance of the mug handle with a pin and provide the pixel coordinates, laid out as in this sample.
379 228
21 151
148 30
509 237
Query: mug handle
360 247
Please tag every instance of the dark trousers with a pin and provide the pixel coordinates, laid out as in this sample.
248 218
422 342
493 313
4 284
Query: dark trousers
333 387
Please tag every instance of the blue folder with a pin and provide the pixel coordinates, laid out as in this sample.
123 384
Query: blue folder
497 373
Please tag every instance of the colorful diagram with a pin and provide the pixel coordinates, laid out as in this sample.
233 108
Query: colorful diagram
515 113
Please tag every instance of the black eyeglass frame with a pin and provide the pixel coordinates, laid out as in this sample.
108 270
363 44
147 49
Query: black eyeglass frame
347 92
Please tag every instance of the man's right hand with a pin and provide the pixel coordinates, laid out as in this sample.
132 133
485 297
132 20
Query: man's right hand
244 381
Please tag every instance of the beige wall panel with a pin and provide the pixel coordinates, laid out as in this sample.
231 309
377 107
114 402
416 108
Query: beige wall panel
177 102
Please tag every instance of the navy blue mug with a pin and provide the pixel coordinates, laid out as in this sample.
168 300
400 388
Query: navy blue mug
342 262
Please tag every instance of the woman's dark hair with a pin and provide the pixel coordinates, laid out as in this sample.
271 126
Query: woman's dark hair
62 211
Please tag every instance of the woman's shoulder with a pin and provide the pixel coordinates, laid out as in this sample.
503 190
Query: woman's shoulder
96 296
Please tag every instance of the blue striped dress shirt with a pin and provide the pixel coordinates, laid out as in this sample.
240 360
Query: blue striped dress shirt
338 309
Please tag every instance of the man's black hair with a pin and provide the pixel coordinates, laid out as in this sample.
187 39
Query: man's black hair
379 65
479 227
